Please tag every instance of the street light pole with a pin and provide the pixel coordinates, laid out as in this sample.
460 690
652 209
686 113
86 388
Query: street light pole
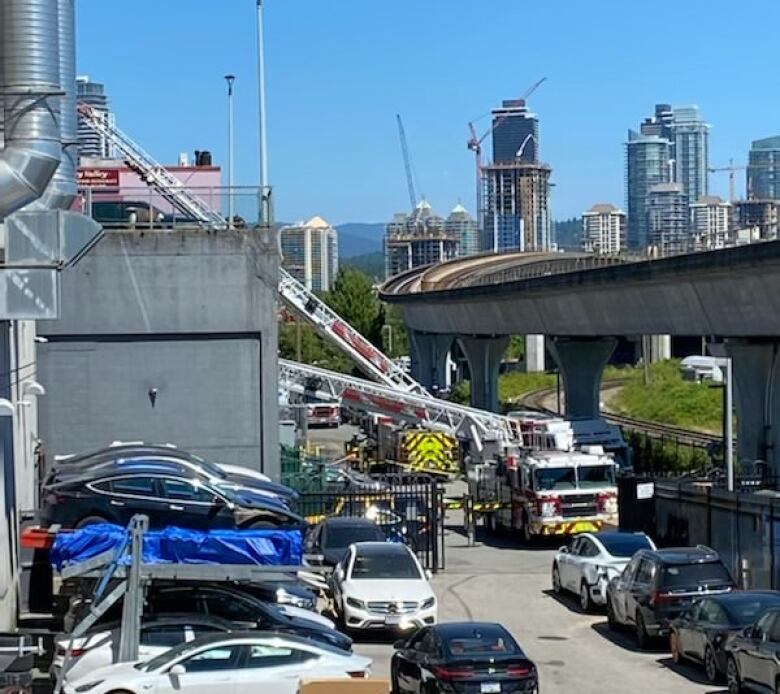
261 104
231 211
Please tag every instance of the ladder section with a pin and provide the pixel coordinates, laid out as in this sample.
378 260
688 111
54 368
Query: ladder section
327 323
153 173
409 407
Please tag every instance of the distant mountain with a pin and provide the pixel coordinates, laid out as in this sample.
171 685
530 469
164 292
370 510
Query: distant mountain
372 264
360 238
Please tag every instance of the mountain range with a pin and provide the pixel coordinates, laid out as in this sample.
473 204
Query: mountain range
360 238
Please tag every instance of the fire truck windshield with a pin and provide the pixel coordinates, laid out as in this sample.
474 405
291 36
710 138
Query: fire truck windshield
579 477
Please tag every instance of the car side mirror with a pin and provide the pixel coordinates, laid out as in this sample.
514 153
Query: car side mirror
177 670
563 550
428 574
400 644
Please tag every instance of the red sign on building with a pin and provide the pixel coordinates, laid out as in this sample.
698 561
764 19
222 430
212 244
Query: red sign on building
98 178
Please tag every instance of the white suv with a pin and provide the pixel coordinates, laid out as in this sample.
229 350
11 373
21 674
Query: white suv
381 585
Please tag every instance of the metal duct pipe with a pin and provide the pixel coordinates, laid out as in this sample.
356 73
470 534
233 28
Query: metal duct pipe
61 191
31 80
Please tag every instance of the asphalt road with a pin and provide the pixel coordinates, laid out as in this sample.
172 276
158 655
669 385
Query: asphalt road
505 582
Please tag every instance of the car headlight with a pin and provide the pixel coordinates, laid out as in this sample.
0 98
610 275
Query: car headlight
284 597
89 685
359 604
430 602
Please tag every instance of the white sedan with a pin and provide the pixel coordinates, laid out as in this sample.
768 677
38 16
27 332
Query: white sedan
381 585
228 664
587 565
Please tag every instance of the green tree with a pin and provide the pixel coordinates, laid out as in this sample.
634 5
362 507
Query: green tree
354 299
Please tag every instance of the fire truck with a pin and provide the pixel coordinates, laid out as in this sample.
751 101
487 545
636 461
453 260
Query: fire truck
548 487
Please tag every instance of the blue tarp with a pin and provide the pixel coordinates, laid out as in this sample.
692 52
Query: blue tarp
180 546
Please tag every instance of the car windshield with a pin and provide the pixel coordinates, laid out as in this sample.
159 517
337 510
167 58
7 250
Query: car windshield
549 478
596 476
698 575
338 537
487 640
619 545
744 610
379 565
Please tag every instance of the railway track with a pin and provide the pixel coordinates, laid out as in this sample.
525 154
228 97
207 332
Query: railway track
535 400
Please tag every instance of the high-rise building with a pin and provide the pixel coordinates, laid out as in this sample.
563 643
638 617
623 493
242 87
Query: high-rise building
761 217
464 227
515 133
92 144
668 219
517 216
420 238
310 253
604 229
647 165
671 146
711 222
763 171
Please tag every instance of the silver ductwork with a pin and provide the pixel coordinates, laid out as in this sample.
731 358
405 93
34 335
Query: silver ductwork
29 40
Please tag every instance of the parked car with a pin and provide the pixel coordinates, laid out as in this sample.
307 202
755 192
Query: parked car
327 414
379 585
753 656
289 592
658 585
98 647
462 657
340 477
127 454
243 661
701 632
327 541
588 564
167 493
228 602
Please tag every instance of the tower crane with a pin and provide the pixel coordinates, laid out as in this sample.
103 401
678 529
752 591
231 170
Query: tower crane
732 169
474 143
407 162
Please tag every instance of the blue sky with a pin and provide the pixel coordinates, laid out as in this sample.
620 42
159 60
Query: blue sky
339 70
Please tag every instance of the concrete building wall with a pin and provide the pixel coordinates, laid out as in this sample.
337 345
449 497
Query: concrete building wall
189 314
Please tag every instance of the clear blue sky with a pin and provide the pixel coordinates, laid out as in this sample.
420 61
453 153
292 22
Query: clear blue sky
339 70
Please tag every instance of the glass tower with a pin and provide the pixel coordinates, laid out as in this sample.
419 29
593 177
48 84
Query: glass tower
647 165
516 132
763 172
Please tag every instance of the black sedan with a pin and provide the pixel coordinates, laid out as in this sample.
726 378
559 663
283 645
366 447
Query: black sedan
753 656
163 492
327 541
701 632
462 657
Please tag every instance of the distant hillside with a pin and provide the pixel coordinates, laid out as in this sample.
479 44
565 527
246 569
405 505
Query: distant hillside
568 234
372 264
360 238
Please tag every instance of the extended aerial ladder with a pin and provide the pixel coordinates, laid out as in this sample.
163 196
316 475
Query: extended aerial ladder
304 303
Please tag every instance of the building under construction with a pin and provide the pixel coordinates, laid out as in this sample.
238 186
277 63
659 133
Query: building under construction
516 213
420 238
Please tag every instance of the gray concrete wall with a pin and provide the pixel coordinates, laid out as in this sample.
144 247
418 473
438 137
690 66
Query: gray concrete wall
189 313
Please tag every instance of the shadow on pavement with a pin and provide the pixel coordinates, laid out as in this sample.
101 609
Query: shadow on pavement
505 540
568 600
693 673
625 639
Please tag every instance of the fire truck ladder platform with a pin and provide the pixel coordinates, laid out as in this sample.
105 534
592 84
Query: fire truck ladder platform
416 409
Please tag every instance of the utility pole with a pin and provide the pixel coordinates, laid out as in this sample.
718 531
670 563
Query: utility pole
231 183
263 145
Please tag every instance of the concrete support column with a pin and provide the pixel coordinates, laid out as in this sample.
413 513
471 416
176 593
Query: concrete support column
534 353
484 355
581 362
429 358
660 348
755 367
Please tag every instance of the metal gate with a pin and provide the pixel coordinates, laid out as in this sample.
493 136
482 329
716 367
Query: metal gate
407 507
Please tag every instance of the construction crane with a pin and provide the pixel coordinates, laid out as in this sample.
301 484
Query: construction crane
474 143
407 162
732 171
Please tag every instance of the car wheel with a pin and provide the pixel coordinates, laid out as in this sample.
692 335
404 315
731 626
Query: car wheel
642 638
91 520
261 525
674 647
612 622
586 604
394 688
732 677
711 665
556 580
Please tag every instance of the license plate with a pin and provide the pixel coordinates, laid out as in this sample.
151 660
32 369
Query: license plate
394 620
490 687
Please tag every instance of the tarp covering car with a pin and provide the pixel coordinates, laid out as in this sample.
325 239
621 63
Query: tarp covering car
174 545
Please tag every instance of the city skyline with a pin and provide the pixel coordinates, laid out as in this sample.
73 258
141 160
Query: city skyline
356 88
